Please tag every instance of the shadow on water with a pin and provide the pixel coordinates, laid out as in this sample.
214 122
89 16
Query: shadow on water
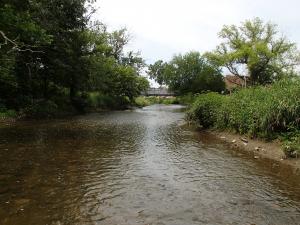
136 167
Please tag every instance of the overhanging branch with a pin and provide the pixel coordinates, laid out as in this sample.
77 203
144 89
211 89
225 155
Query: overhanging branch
15 45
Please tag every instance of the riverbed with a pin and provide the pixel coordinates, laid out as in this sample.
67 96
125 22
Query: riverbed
144 167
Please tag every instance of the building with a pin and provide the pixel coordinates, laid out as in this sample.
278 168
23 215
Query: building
233 82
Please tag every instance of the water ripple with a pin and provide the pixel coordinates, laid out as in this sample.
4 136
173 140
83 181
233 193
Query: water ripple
136 167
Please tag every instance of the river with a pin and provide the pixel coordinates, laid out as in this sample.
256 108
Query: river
136 167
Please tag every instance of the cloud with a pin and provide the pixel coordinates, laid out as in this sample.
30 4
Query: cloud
162 28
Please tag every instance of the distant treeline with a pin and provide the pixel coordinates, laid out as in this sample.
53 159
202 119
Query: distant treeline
254 51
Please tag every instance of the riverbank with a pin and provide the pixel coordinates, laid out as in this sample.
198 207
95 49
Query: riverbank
257 148
143 101
47 109
265 112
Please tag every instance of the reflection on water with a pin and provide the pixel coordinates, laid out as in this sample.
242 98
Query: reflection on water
136 167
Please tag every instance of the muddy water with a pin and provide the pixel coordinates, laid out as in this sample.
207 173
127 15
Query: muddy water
136 167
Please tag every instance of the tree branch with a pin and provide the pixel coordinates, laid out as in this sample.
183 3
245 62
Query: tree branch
15 45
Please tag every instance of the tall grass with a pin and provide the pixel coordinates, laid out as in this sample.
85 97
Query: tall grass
267 112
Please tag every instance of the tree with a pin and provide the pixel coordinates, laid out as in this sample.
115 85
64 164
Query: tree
126 82
134 60
20 41
65 62
255 49
111 74
188 73
49 53
156 71
117 40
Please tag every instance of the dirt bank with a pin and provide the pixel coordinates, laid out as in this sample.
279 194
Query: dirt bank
258 148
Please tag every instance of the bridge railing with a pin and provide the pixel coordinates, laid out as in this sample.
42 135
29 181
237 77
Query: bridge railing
158 92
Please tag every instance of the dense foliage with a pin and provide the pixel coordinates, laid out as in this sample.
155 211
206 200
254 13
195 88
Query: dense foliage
256 50
266 112
51 57
189 73
205 109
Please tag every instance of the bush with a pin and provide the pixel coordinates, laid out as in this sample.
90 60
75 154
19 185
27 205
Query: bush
141 101
42 109
187 99
205 109
97 100
169 101
266 112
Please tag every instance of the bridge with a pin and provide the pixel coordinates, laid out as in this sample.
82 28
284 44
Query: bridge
162 91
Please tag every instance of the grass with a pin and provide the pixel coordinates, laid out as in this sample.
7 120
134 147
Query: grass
267 112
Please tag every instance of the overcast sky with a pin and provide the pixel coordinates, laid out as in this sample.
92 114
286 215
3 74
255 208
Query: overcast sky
162 28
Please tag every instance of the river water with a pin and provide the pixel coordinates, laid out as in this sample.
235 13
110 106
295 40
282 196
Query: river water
136 167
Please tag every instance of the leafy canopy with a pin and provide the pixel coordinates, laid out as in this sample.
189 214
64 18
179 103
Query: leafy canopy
51 52
189 73
255 49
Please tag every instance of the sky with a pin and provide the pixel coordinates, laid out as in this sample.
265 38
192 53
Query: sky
162 28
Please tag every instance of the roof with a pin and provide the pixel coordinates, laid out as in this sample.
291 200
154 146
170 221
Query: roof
232 81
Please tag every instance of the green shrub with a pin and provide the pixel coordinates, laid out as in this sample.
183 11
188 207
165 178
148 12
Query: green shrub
100 101
141 101
169 101
266 112
187 99
42 109
205 109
